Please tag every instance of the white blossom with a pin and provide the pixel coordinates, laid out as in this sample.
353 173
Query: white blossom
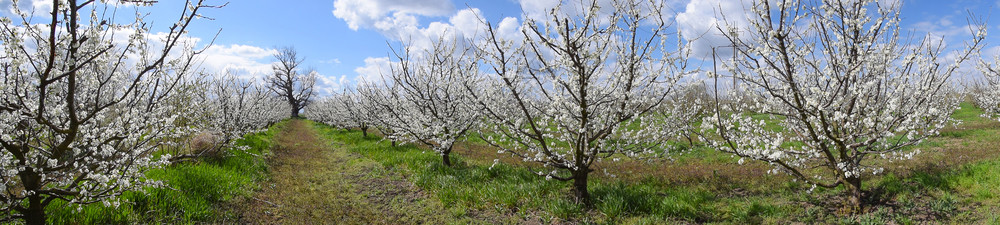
841 86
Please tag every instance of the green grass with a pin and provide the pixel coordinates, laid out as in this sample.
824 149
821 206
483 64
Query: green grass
503 186
514 190
961 194
195 191
980 181
700 185
969 113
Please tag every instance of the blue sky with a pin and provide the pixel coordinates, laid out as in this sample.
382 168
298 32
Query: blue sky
347 39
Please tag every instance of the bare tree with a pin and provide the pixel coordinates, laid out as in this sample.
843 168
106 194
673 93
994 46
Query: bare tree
289 82
841 84
82 113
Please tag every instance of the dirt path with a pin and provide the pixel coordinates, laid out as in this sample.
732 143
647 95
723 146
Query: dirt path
316 181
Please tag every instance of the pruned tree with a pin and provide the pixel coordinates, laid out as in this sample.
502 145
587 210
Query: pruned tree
987 93
580 87
326 111
842 86
290 81
229 107
354 112
81 113
373 99
372 112
688 106
343 110
425 99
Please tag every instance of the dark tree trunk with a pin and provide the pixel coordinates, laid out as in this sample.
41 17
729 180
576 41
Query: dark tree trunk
364 132
35 213
580 187
445 157
447 160
295 107
854 198
295 113
393 143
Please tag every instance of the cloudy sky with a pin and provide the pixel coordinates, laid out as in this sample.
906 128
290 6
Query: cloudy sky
346 40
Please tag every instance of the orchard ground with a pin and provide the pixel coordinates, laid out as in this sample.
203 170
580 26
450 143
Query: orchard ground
304 172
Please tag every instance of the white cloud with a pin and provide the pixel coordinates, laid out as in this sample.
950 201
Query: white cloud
399 19
537 9
399 23
370 13
373 69
700 21
330 61
41 5
31 8
944 28
509 28
329 85
467 22
248 61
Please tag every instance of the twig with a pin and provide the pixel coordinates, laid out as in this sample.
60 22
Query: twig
265 201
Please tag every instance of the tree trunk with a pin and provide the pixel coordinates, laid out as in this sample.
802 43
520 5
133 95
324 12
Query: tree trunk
580 187
393 143
364 132
35 213
444 156
295 109
854 198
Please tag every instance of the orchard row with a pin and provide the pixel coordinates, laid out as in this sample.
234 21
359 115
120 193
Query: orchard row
818 89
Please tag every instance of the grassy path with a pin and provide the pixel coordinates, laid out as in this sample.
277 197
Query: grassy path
317 181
